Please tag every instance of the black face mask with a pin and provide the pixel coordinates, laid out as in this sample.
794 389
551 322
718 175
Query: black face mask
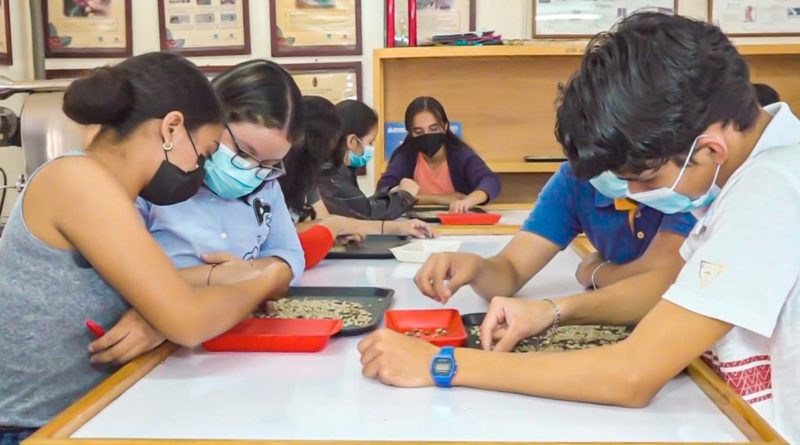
428 144
171 185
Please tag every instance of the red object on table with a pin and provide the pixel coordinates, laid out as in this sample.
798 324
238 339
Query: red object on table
276 335
469 219
428 321
316 243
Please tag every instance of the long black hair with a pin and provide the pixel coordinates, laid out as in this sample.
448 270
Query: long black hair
148 86
430 104
323 130
261 92
357 118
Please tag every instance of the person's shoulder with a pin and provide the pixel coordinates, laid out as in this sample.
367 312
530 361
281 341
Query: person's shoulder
76 174
776 167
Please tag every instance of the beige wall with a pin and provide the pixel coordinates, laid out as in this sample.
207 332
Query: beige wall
511 18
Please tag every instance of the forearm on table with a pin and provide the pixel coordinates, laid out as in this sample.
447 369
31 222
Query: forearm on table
286 274
622 303
598 375
196 275
425 199
497 277
477 198
305 225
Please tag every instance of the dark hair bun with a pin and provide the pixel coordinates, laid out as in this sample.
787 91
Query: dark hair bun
103 97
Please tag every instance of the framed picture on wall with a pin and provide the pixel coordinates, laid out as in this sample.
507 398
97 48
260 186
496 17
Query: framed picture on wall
73 28
315 27
66 73
580 19
434 17
333 81
6 56
212 70
204 27
756 17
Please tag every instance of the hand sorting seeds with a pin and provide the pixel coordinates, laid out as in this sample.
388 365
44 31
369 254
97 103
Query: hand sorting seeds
438 332
352 314
566 338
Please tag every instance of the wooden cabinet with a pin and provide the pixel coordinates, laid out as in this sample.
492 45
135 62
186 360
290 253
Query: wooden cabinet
505 97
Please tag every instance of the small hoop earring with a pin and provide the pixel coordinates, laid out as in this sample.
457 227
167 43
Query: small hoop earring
167 146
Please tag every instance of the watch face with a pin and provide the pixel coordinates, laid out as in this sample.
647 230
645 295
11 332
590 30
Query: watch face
442 366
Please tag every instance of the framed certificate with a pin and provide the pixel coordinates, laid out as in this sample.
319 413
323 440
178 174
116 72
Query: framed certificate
756 17
73 28
204 27
582 18
72 73
6 57
333 81
315 27
434 17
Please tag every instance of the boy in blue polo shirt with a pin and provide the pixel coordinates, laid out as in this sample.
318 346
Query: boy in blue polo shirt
630 239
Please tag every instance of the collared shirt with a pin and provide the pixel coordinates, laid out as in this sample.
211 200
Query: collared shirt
207 223
743 267
621 231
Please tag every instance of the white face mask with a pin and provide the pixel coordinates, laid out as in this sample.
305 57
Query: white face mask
667 200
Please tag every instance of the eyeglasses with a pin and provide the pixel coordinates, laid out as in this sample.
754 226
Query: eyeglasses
264 170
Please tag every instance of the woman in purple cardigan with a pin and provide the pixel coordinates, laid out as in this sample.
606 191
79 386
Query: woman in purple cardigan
447 170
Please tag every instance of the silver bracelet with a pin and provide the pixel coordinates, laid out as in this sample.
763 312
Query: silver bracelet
594 273
557 321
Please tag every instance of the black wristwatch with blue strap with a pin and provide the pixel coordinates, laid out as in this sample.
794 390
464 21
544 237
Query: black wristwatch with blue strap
443 367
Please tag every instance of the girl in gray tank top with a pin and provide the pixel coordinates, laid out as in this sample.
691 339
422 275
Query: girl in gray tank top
74 248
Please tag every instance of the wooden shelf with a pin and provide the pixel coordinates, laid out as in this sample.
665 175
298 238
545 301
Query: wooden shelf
773 49
546 48
523 167
505 97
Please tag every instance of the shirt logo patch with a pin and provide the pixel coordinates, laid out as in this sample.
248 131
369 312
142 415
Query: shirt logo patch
709 271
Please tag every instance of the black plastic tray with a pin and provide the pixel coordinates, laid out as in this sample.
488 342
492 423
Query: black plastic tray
471 320
476 319
428 214
375 247
376 300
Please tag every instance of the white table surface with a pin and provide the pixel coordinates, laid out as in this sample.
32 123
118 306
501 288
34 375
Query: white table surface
322 396
515 217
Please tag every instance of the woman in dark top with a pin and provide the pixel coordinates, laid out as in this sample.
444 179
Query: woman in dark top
337 181
318 229
447 170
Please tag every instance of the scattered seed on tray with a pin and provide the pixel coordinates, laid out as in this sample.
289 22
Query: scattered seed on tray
566 338
351 313
438 332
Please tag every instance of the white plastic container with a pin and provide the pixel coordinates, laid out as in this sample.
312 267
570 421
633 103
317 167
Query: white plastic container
419 251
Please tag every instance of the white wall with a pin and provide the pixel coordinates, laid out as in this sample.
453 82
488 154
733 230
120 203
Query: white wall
511 18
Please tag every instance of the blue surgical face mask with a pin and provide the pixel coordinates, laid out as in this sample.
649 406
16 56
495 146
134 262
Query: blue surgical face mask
227 180
667 200
362 160
610 185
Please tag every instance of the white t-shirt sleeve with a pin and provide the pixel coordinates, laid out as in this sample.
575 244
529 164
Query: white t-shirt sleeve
746 263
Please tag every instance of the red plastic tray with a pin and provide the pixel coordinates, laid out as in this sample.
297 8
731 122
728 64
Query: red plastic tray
469 219
428 321
275 335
